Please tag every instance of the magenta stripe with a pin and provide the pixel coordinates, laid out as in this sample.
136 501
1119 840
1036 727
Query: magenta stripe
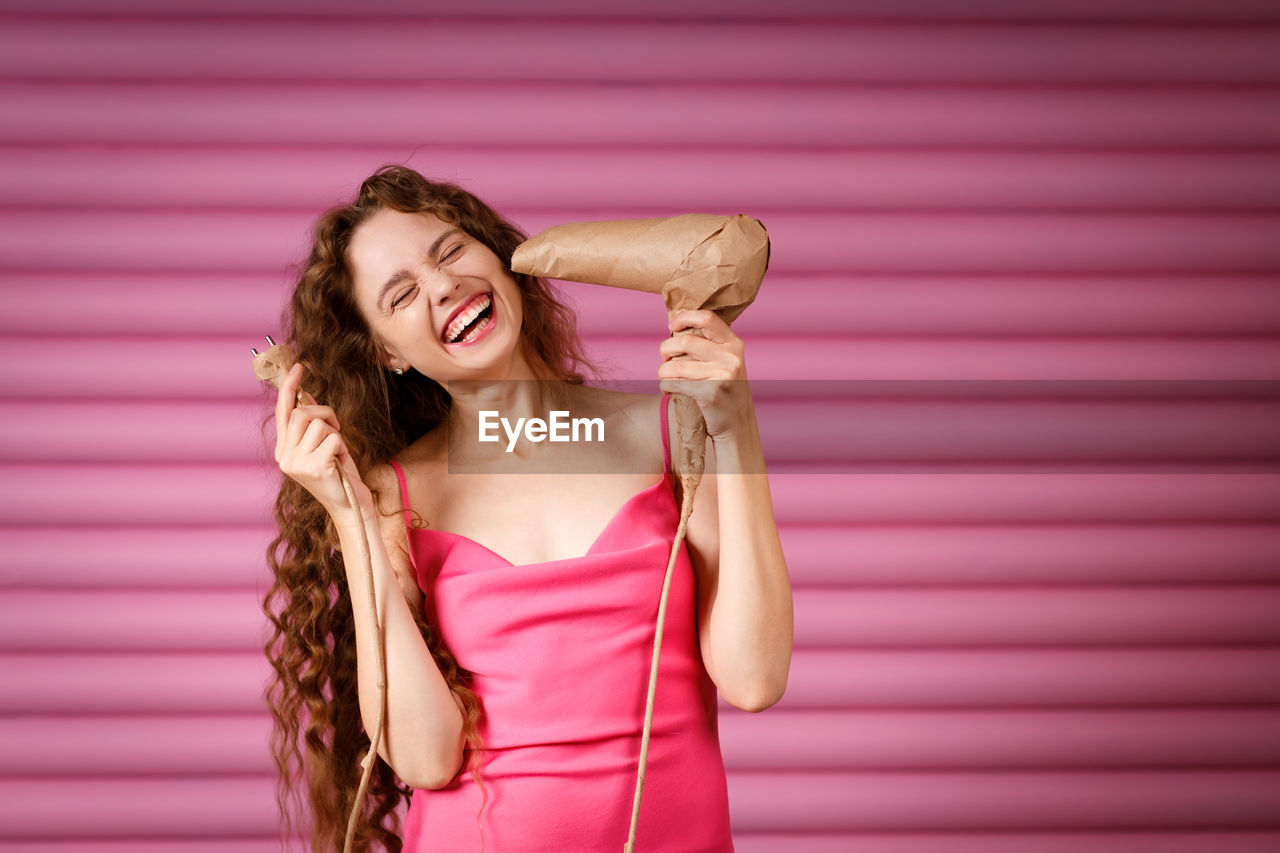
118 305
848 179
892 741
180 369
576 114
866 243
852 425
76 494
957 679
1026 801
856 51
890 554
231 620
1108 10
847 801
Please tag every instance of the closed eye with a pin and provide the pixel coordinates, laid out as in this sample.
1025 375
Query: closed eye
403 298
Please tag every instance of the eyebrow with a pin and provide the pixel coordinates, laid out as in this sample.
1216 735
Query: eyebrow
400 275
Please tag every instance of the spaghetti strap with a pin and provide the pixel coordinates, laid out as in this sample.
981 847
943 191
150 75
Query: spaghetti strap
404 501
404 488
666 439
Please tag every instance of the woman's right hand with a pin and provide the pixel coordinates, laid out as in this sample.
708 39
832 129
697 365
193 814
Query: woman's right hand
307 444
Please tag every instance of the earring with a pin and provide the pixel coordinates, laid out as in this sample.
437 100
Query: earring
397 371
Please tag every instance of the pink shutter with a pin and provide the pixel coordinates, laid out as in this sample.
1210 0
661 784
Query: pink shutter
1032 520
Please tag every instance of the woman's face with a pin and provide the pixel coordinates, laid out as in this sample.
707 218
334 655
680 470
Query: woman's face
437 299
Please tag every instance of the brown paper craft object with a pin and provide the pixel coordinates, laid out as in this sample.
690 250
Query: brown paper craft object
696 261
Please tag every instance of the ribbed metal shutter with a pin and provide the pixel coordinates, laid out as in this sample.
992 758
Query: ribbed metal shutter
1031 519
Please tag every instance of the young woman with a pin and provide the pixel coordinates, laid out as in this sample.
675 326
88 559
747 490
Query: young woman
517 605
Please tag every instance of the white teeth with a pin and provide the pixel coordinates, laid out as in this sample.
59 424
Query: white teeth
460 322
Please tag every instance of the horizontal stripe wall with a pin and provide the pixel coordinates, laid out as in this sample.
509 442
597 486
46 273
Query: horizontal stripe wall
1015 363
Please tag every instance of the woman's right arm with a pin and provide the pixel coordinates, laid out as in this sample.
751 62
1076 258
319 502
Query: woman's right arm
422 737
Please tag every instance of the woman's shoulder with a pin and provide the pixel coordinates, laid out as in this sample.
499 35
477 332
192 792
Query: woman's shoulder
384 483
419 459
427 451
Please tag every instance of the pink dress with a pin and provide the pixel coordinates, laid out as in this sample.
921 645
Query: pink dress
560 653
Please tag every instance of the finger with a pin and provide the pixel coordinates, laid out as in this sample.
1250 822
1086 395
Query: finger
694 346
286 399
321 413
300 397
316 432
344 458
299 421
332 448
707 321
678 386
687 319
682 368
335 451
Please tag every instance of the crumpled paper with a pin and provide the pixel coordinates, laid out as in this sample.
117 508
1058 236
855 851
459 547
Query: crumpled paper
695 261
272 365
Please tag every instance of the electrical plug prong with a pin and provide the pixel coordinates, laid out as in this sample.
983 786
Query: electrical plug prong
273 365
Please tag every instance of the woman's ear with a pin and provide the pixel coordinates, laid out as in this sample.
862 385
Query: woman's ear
390 360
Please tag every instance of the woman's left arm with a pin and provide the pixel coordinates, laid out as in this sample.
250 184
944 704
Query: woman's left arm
745 620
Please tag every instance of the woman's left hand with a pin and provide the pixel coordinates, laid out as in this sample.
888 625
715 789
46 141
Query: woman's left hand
714 373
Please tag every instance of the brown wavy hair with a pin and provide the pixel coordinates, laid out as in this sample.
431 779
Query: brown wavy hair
318 735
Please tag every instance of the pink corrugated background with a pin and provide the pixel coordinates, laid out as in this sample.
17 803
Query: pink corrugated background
1036 612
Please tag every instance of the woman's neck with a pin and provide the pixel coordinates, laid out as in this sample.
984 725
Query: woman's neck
530 389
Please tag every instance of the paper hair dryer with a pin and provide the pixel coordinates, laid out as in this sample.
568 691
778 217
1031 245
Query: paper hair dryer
695 261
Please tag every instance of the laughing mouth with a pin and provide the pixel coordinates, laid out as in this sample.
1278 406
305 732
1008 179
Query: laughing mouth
470 321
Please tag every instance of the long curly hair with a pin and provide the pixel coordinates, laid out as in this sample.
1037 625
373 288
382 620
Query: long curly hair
318 736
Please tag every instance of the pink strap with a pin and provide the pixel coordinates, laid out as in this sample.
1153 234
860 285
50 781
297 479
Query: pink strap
666 439
404 494
408 521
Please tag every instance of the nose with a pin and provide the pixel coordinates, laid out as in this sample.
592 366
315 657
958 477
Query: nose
440 284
